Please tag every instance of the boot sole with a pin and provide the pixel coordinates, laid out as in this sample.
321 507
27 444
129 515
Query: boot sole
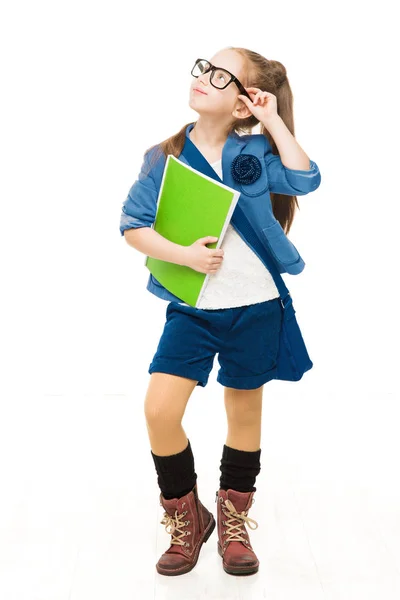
180 571
237 570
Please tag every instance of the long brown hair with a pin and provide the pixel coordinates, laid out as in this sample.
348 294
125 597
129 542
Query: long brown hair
271 76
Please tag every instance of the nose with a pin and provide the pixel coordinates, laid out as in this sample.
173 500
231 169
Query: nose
206 76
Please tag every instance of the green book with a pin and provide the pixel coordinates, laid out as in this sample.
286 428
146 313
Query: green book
190 206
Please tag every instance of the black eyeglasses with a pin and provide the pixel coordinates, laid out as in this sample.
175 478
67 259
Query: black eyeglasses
219 78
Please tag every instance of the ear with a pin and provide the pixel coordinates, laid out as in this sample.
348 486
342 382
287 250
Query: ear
241 109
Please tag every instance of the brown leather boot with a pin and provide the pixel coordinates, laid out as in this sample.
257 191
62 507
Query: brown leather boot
238 557
191 524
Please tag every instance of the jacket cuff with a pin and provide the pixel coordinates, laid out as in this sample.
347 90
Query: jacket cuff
129 222
304 181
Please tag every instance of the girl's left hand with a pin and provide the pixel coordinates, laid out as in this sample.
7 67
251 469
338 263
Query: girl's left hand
263 106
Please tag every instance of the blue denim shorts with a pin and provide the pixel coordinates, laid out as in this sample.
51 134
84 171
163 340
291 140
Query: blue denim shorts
246 339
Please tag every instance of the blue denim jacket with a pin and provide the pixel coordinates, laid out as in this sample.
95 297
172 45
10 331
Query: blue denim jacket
140 207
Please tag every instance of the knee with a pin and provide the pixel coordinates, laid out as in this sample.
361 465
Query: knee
243 407
160 414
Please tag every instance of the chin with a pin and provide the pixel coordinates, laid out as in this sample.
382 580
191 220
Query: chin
192 107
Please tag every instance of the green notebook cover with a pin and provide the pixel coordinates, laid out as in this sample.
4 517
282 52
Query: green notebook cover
190 206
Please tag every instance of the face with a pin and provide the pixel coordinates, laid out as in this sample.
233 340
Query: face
214 101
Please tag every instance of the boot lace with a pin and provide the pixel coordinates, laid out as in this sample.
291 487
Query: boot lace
236 536
173 524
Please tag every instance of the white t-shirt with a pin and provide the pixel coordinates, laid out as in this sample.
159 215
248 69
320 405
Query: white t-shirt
242 278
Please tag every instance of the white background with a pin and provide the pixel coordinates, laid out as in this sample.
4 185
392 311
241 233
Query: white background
86 88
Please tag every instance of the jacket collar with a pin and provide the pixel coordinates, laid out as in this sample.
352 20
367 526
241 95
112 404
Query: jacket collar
232 147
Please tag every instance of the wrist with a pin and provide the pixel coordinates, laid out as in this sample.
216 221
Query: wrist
182 252
275 120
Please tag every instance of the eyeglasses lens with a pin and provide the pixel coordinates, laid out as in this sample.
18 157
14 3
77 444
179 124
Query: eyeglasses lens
220 78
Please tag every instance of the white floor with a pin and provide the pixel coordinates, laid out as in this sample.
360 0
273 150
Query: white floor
80 514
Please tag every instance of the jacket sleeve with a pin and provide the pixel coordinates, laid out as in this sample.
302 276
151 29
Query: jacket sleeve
140 207
293 182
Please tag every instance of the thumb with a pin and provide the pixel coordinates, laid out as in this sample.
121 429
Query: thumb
208 239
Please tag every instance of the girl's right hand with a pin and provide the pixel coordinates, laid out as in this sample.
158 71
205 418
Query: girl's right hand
202 259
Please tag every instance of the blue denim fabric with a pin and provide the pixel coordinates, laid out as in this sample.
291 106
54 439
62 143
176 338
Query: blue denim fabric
140 206
246 339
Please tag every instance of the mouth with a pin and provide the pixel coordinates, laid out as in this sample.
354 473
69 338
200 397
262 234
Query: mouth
199 91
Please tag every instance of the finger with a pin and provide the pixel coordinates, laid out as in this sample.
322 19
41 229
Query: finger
263 98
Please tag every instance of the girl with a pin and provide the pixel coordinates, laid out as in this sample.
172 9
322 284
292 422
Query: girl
239 316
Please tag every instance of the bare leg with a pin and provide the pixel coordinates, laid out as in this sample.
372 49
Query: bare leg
165 403
243 411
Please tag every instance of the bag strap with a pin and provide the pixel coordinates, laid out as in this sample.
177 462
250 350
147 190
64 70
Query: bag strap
196 160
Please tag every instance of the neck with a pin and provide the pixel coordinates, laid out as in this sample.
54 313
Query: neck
208 134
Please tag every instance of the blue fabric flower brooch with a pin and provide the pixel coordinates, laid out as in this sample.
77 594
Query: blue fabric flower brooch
246 168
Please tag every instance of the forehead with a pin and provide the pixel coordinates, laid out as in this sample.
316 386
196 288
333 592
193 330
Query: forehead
231 61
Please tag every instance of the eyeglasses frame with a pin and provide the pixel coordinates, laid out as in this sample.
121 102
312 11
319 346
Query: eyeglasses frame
212 68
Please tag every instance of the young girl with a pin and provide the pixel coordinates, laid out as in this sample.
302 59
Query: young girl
239 316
